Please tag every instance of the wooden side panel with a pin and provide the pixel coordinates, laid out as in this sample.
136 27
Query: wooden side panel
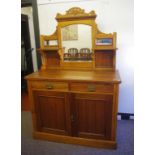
115 111
94 116
52 112
53 59
104 59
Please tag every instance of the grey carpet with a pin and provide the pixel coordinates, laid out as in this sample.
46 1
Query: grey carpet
29 146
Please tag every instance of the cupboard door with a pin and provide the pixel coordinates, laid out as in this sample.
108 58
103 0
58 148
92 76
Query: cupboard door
93 116
52 112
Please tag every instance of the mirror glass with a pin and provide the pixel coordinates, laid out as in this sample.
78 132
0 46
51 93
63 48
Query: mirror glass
50 43
77 42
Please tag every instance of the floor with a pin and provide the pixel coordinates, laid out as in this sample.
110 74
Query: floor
29 146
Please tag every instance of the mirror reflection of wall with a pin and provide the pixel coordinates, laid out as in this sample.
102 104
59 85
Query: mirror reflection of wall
77 42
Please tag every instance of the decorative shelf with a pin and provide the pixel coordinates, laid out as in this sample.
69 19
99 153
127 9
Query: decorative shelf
48 49
105 48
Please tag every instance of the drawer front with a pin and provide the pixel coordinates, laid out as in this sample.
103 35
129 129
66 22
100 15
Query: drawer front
49 85
92 87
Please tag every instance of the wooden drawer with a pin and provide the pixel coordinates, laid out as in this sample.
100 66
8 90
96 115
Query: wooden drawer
91 87
49 85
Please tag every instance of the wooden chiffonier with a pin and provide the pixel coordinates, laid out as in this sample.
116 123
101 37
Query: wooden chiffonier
74 96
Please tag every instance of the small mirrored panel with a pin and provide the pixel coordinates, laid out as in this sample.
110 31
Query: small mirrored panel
104 41
48 43
77 42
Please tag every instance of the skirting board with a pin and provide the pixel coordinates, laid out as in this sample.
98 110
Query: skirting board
125 116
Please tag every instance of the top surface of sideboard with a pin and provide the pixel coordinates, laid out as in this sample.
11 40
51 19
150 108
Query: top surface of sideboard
70 75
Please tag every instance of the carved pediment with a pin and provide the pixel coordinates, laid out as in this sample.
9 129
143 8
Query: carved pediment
74 13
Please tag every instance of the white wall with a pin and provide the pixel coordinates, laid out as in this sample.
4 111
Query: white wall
28 11
112 16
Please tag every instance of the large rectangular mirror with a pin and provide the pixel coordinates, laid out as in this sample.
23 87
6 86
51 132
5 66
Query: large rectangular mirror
76 42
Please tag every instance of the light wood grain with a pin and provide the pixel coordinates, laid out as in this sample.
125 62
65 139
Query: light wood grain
77 15
71 75
76 102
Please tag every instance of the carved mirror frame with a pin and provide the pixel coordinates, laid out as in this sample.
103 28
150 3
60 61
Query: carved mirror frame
76 16
73 16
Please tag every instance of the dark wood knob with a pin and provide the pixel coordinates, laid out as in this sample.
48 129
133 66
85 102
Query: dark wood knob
72 118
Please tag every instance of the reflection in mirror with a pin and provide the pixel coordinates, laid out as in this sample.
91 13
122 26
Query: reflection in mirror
77 42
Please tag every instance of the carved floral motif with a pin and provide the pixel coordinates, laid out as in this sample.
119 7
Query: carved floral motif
76 12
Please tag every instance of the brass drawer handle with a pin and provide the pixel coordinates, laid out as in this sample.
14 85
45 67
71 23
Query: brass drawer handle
49 86
91 88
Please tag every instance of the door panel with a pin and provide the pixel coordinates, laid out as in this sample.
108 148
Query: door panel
93 114
52 112
26 45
